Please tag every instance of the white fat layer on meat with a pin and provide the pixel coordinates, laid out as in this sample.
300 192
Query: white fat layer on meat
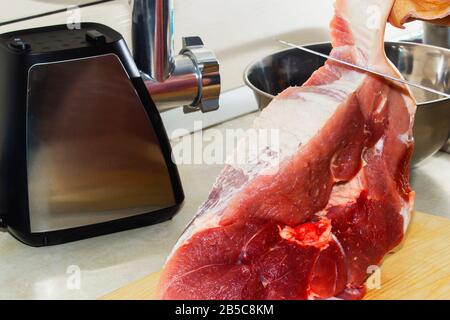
405 138
406 217
381 105
297 124
299 119
348 84
339 244
379 146
405 212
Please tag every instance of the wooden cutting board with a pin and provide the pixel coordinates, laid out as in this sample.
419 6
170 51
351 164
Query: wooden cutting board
419 269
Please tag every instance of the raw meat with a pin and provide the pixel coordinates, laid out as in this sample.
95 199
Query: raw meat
436 11
339 197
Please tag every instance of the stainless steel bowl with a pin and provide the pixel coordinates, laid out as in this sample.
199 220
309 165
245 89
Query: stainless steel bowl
418 63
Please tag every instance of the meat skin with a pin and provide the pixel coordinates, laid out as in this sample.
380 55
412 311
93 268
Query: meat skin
339 200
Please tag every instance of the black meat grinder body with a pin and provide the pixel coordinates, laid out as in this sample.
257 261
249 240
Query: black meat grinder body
83 149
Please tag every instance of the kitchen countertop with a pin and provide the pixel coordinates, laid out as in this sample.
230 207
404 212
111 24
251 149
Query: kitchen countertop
109 262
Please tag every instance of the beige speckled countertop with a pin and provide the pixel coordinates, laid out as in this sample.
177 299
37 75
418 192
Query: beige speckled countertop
109 262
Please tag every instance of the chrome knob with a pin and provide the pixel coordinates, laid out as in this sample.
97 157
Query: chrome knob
207 72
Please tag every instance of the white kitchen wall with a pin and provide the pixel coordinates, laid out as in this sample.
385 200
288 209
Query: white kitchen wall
239 31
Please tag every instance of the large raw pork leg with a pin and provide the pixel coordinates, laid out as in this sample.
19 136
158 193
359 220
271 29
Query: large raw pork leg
340 199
